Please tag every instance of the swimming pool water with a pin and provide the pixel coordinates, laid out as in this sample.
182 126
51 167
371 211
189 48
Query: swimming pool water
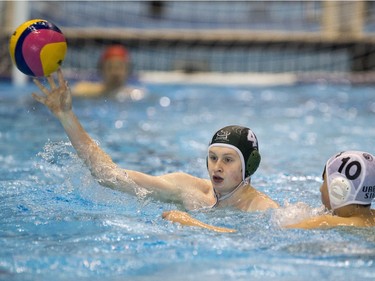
57 223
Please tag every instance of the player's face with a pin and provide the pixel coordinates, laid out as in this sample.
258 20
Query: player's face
115 72
225 169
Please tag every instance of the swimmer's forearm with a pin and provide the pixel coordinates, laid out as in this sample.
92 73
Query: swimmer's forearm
76 133
324 221
185 219
85 146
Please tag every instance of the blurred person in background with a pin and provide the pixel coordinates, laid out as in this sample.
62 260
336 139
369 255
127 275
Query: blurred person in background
114 70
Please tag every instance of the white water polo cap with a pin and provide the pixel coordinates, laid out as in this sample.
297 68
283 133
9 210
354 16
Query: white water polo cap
351 178
244 142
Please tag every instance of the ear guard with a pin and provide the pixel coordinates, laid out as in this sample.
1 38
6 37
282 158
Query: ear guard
252 163
339 191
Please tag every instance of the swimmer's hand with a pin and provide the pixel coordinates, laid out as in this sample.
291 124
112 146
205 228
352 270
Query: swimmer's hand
58 98
185 219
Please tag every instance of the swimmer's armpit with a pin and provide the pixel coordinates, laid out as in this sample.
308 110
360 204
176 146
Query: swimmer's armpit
185 219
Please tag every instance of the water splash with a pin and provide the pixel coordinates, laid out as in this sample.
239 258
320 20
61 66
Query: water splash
57 152
294 213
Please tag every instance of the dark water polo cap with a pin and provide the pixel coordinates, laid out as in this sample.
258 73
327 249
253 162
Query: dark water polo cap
244 141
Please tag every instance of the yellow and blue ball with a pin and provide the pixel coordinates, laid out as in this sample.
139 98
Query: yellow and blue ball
37 48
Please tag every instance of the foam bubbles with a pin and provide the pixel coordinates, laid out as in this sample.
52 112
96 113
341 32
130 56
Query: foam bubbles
294 213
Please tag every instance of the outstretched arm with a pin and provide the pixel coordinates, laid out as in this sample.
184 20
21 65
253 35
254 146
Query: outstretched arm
59 101
326 221
192 192
185 219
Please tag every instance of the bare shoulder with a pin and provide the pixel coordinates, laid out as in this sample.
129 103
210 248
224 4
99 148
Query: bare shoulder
260 202
87 89
263 203
196 193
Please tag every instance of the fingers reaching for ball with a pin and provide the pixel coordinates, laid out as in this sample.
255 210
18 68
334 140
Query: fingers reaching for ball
57 98
61 78
38 98
51 82
43 89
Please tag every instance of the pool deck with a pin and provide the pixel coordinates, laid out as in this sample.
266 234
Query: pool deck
218 35
256 79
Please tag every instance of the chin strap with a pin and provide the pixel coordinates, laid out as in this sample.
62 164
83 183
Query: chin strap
226 196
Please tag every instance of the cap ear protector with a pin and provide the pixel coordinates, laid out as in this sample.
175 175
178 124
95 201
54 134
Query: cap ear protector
252 163
339 190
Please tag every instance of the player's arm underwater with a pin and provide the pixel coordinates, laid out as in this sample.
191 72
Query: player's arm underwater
329 221
171 187
185 219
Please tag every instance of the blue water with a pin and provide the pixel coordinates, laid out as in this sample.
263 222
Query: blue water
57 223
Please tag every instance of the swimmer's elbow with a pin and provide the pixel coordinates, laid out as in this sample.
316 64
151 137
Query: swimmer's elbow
110 176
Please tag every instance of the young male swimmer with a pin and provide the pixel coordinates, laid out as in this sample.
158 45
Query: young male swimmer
347 190
232 158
